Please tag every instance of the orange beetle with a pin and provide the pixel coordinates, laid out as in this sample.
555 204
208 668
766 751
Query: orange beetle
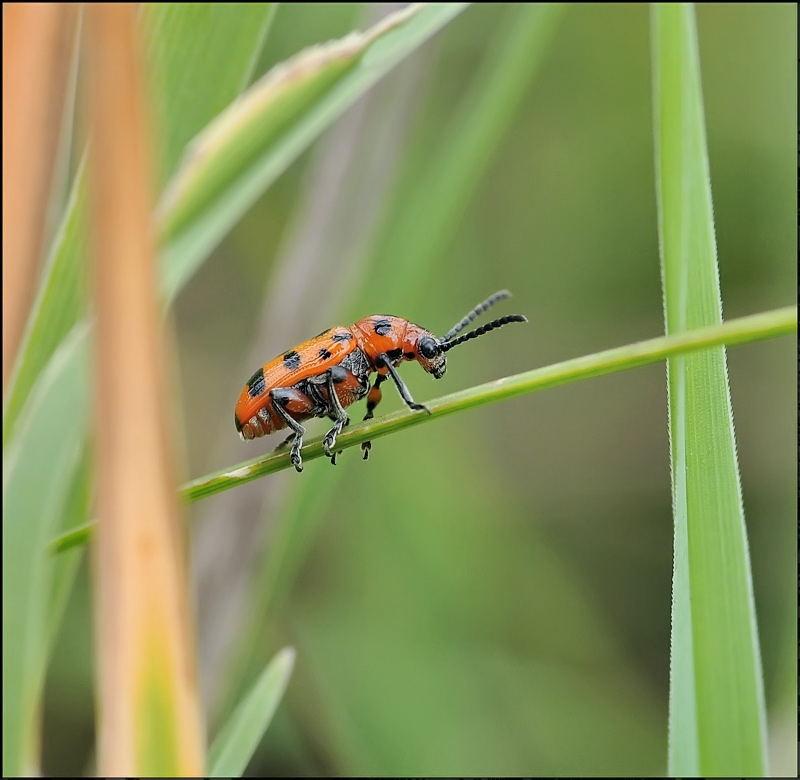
324 375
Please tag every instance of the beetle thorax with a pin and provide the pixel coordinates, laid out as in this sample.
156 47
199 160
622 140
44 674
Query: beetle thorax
380 334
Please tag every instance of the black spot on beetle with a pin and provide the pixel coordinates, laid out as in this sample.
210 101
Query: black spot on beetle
394 354
346 336
256 384
410 355
291 359
382 327
324 354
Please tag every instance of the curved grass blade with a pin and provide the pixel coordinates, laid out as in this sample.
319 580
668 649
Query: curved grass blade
717 717
240 154
59 303
739 331
200 56
240 736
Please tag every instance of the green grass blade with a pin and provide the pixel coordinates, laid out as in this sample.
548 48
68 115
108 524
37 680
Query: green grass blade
200 56
59 303
76 508
739 331
238 739
717 717
32 504
250 145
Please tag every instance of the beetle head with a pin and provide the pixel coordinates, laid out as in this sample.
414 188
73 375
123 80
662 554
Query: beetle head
422 346
430 355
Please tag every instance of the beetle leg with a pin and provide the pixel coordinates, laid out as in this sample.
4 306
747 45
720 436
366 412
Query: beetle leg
281 396
373 399
335 374
401 386
320 404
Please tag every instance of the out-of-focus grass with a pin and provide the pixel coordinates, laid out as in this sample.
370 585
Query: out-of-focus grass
29 514
234 746
498 583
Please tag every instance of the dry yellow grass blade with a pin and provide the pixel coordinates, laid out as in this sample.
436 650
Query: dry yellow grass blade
148 718
37 39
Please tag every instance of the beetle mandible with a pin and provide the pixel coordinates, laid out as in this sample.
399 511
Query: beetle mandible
324 375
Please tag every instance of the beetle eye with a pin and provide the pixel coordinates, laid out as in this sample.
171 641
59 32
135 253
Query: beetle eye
428 348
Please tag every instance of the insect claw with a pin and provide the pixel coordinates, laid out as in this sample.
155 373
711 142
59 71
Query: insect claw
328 442
297 460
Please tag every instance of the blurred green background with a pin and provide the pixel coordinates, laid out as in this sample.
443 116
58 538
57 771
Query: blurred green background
489 593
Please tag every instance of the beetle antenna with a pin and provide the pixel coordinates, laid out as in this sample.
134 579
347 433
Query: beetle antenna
476 312
473 334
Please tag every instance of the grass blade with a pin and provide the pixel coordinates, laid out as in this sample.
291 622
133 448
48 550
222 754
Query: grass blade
238 739
36 51
30 515
148 715
252 143
200 56
717 717
425 219
59 303
739 331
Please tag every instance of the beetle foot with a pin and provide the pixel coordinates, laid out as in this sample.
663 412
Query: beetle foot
297 461
329 442
366 446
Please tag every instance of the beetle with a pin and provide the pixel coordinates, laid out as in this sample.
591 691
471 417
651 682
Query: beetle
323 376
